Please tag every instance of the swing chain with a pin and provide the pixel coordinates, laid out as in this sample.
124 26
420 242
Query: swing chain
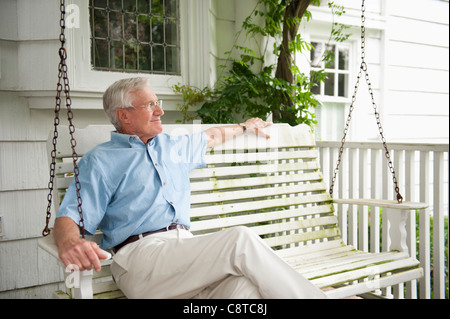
363 67
62 75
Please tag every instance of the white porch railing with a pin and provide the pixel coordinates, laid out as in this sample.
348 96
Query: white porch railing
422 174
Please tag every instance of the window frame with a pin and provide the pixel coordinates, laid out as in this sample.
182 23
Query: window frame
335 98
135 39
194 42
322 130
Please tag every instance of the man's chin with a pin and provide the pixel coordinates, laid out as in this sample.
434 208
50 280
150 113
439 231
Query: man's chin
157 128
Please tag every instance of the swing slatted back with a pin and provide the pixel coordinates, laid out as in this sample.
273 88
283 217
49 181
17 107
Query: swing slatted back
273 186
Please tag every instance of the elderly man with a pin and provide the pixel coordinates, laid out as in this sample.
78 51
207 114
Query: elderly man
138 195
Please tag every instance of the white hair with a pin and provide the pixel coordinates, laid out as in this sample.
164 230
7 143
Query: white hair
117 96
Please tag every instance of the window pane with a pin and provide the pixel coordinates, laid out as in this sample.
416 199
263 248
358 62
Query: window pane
172 59
171 33
145 57
116 55
315 88
157 7
115 4
143 6
316 54
144 28
100 29
129 5
343 85
331 121
130 26
130 57
101 53
158 58
115 25
329 84
171 8
158 30
343 59
100 3
330 56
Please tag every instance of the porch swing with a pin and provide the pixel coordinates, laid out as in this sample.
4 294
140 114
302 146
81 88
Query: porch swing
307 247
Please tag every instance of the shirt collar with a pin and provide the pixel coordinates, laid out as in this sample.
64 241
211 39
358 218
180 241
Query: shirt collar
126 140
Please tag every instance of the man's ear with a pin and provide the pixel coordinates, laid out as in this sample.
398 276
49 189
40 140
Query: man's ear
122 116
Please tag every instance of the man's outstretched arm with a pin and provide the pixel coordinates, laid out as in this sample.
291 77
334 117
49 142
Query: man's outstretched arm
220 134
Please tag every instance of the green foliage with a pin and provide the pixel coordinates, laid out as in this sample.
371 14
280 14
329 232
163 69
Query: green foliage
243 93
247 94
191 97
338 31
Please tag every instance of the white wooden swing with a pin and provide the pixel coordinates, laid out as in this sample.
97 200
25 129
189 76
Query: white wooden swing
273 186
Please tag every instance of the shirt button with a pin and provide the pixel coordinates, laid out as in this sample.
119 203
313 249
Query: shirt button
156 164
171 203
164 184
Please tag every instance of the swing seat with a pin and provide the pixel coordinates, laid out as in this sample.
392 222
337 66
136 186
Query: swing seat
275 188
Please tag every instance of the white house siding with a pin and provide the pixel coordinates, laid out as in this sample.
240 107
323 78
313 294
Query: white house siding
21 155
222 18
226 18
417 68
407 57
409 69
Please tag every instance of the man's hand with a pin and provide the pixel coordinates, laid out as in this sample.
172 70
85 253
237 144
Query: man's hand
257 125
84 254
74 250
220 134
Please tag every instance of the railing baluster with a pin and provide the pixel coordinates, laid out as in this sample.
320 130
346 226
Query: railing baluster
363 227
375 186
424 226
352 216
410 184
342 184
438 226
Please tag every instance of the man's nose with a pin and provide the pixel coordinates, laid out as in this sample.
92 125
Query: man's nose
158 110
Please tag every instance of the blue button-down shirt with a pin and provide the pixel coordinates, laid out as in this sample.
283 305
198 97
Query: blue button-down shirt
128 188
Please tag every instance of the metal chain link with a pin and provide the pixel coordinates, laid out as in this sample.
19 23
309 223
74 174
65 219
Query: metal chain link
62 75
363 68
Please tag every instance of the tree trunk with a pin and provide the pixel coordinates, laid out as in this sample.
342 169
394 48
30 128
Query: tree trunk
296 8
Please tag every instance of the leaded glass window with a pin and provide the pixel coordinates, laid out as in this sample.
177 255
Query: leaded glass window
135 36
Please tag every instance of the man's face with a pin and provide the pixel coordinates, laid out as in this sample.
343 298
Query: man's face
143 121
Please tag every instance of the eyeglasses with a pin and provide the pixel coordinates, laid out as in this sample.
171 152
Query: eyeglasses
152 105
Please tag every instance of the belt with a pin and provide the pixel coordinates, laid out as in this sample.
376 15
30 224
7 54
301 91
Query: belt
134 238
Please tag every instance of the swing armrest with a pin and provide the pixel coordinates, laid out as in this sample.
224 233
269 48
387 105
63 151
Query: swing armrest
80 283
397 215
49 245
382 203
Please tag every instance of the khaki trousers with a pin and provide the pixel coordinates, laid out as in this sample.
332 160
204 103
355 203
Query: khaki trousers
234 263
